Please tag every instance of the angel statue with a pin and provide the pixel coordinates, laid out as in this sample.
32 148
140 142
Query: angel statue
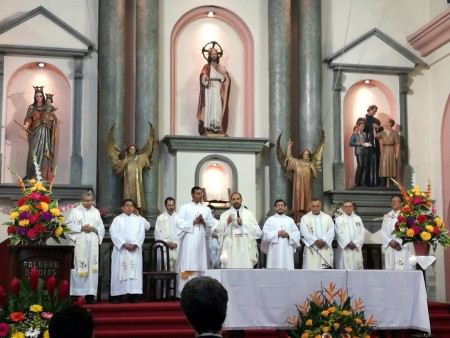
303 171
129 164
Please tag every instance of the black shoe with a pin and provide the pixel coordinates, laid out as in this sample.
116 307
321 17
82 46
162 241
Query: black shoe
89 299
133 298
116 299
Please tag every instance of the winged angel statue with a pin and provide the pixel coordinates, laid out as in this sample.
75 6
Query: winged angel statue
129 164
302 172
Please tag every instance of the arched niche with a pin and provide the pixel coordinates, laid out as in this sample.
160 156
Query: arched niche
218 175
191 32
19 96
358 98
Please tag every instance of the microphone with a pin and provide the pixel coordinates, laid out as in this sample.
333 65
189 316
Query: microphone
237 213
326 264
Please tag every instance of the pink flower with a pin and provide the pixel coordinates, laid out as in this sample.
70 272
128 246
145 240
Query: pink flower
34 278
35 196
47 315
34 218
3 329
416 200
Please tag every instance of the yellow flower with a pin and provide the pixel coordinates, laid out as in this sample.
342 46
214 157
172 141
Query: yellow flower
44 206
17 335
336 325
61 218
24 208
324 313
317 336
55 212
13 215
32 181
24 222
58 231
348 329
305 335
425 235
358 320
41 188
429 228
36 308
326 329
33 189
345 313
331 309
410 233
439 222
309 322
46 334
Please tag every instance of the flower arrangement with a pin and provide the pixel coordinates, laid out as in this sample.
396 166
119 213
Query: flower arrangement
31 304
417 220
329 313
36 217
105 216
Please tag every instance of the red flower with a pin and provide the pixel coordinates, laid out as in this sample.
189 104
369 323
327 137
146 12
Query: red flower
11 230
421 218
17 316
34 278
397 225
400 219
34 218
416 200
416 229
45 199
436 231
22 201
15 286
39 228
50 286
3 329
31 234
63 291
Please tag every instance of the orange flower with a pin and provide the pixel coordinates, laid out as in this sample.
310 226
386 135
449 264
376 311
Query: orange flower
309 322
17 316
348 329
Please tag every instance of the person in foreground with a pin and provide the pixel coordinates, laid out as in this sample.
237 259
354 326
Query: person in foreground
204 303
71 322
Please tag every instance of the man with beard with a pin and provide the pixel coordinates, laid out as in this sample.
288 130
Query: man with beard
280 239
317 230
194 228
238 232
166 230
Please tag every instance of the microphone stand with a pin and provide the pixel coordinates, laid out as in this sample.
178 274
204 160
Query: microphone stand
327 265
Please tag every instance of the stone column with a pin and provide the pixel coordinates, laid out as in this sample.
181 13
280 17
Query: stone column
310 81
111 84
76 166
147 81
405 168
279 92
338 164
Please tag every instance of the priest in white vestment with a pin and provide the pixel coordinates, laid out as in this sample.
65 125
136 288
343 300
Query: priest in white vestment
349 230
396 253
166 230
127 233
280 239
238 232
317 231
86 234
194 228
214 245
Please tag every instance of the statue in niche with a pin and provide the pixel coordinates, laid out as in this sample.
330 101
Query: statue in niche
40 124
212 111
129 164
301 171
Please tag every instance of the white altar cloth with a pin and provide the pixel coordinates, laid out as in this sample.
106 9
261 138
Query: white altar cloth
266 298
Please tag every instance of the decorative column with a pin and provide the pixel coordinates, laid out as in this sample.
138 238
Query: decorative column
111 65
279 92
147 82
338 164
405 168
76 166
310 81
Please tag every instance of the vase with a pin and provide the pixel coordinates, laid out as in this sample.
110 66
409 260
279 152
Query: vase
422 248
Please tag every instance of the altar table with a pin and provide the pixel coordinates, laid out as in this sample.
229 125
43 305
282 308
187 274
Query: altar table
266 298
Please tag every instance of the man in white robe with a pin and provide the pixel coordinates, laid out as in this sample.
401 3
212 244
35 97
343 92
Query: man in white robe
396 254
87 232
238 232
349 230
194 224
317 231
166 230
280 239
127 233
214 245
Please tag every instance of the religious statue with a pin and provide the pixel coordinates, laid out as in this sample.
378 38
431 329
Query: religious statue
129 164
372 127
212 111
302 172
40 124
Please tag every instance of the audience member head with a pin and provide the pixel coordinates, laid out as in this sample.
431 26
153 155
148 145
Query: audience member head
71 322
204 303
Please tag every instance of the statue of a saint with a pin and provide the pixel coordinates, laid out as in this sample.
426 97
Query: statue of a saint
302 172
212 111
40 122
129 164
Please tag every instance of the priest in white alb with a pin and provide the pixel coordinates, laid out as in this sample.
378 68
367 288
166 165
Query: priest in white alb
127 233
317 231
280 239
238 232
86 233
194 228
166 230
349 230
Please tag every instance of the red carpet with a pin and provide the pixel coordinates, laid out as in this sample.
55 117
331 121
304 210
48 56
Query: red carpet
165 319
